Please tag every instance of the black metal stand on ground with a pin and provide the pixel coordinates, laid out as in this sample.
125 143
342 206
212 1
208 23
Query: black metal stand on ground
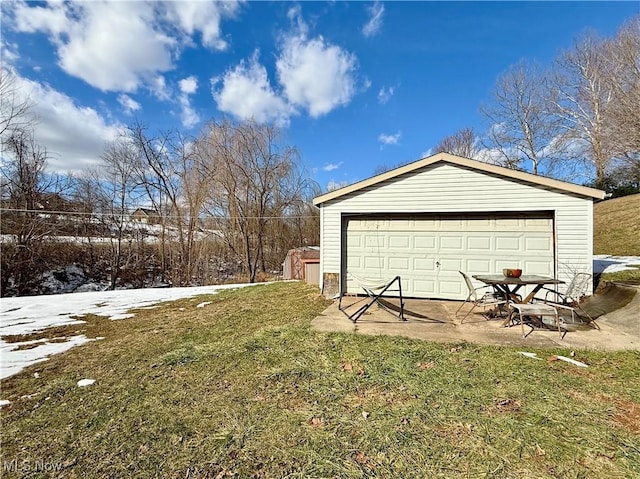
374 297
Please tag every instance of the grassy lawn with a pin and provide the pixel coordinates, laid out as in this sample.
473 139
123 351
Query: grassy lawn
616 226
629 276
245 388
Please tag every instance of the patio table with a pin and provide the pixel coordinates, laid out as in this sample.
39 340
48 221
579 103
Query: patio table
509 287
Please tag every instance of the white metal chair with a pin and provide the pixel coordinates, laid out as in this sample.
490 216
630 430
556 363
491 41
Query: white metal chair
477 297
534 310
571 298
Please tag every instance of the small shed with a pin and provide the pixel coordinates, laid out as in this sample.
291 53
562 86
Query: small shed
299 264
430 219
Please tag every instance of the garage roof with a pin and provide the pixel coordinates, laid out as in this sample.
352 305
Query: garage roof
467 163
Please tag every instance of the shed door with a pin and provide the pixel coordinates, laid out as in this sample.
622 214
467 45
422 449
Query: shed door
428 251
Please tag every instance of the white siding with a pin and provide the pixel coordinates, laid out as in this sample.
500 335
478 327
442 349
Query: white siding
447 188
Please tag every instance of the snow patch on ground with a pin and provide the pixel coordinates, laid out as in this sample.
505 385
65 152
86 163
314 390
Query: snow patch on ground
85 382
603 263
28 314
15 360
203 304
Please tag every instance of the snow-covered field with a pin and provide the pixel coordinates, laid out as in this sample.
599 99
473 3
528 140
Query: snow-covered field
27 314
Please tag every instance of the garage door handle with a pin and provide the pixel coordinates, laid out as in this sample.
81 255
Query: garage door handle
438 264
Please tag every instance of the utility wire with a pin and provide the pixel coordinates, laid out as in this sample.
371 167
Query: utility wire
122 215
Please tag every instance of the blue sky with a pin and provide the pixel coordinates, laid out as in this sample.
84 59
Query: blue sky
354 85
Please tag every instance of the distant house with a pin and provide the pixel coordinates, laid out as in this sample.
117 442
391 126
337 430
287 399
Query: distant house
146 216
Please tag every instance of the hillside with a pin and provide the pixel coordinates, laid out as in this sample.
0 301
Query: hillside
616 228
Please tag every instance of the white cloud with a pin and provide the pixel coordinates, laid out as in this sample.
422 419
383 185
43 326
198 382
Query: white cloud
113 46
119 46
8 52
188 85
203 17
312 75
128 104
332 166
427 153
188 115
385 94
50 19
492 156
158 87
316 75
374 24
294 14
245 92
74 136
389 139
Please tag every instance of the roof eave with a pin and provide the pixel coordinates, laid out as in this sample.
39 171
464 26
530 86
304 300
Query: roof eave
465 162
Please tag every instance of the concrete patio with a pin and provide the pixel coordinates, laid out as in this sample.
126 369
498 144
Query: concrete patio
434 320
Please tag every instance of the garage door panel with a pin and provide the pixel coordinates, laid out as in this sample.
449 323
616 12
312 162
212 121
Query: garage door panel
374 241
354 263
400 242
450 265
374 262
399 264
428 252
508 223
508 243
428 286
424 265
538 267
425 242
537 244
479 266
450 288
538 224
479 243
451 243
354 241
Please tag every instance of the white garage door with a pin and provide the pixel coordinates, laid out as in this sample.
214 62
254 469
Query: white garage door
428 252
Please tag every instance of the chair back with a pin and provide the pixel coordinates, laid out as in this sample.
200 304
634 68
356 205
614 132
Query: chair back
578 286
472 290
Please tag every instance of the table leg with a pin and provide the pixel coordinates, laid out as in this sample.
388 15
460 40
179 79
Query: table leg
508 296
530 296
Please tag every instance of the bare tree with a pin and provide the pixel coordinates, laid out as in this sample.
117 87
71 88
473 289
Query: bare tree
115 186
23 187
380 169
461 143
177 186
88 225
522 129
622 71
16 109
581 98
257 184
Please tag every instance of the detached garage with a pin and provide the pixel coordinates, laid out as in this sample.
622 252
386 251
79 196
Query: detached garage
432 218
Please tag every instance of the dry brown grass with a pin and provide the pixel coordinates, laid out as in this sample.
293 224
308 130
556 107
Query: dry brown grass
616 229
